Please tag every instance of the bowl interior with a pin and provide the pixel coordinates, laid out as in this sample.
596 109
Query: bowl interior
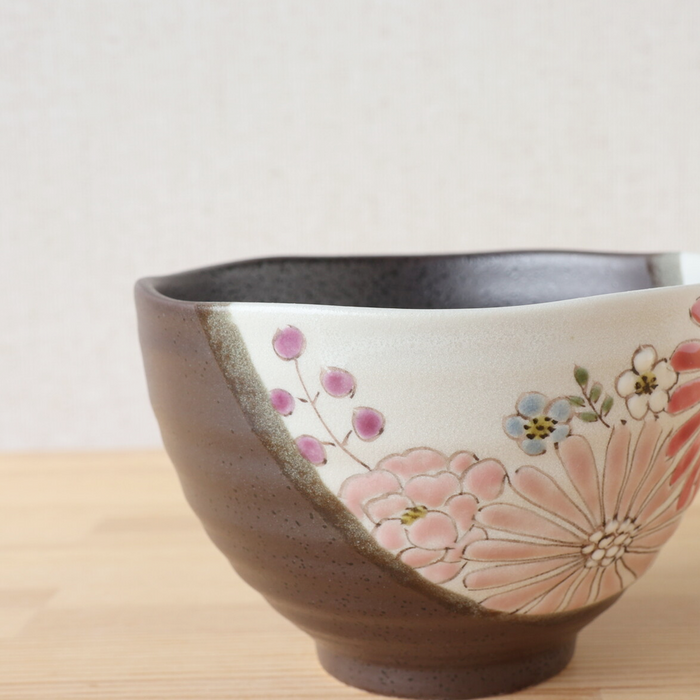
423 282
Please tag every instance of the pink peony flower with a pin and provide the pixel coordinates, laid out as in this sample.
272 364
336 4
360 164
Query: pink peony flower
420 505
555 548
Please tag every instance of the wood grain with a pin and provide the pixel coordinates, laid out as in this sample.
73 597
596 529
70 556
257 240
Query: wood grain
109 588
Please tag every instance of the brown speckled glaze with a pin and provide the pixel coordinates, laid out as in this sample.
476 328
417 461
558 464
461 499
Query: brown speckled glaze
377 624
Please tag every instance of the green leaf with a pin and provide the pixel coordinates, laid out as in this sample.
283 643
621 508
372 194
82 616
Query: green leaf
581 376
607 405
576 400
596 391
588 417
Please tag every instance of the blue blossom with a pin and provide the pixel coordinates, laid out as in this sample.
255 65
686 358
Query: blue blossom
537 421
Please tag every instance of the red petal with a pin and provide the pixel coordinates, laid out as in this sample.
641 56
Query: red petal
686 356
684 397
690 488
683 434
686 461
695 311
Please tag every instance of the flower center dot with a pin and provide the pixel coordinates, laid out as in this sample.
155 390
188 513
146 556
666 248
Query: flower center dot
609 543
410 515
539 427
646 383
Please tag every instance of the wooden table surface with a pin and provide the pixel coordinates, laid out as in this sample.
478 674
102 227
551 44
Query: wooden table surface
109 588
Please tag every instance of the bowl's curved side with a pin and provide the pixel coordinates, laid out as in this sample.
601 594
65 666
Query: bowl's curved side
365 620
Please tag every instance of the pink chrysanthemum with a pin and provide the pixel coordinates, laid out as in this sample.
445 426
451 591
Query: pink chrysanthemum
556 548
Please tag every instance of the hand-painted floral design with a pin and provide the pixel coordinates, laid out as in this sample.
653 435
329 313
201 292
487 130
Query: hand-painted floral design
282 401
367 423
646 385
311 449
537 421
596 403
338 382
564 545
685 443
695 311
531 539
421 506
289 343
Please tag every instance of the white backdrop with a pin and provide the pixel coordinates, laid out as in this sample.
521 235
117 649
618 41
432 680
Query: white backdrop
145 137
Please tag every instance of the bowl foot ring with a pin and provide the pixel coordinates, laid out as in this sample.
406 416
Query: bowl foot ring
447 682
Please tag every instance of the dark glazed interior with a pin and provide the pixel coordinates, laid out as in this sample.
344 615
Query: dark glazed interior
421 282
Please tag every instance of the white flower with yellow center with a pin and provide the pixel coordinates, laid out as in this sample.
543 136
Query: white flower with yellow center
645 387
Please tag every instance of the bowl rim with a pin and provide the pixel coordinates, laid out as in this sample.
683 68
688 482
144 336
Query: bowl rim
668 270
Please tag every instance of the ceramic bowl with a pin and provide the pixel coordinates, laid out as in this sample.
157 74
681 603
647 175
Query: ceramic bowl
441 468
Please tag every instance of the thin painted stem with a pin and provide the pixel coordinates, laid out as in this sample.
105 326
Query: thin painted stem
594 409
312 402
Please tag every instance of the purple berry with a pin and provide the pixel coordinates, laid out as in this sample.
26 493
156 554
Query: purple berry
282 401
338 382
367 423
311 449
289 343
